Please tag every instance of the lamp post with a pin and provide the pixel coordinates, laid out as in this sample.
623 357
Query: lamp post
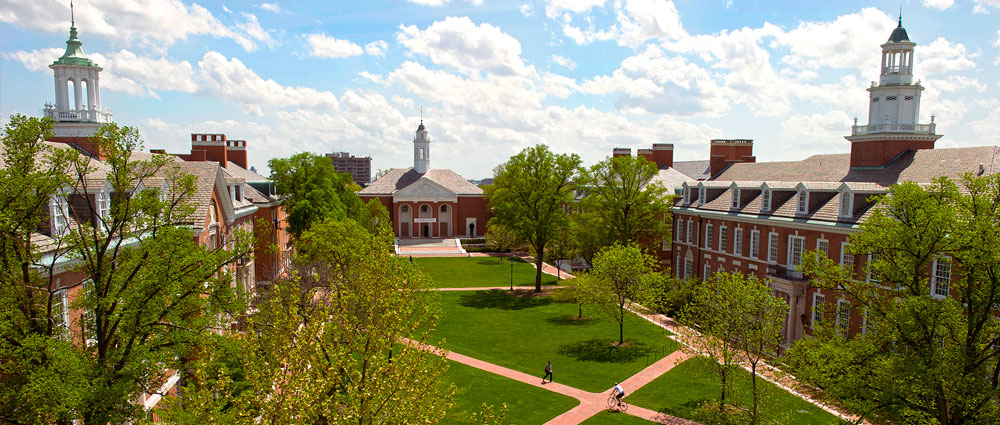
512 272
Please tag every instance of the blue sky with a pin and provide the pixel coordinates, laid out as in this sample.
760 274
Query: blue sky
493 77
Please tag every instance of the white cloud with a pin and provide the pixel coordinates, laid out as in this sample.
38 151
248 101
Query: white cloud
641 20
564 61
152 24
803 135
325 46
376 48
230 80
375 78
36 60
526 9
984 6
938 4
461 44
271 7
432 3
554 8
845 42
942 56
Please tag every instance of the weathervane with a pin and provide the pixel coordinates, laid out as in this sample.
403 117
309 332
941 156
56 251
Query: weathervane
72 19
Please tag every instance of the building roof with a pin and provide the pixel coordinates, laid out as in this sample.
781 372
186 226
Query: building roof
398 179
235 170
672 179
697 170
898 34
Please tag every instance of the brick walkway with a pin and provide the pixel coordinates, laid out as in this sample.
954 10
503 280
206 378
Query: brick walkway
590 403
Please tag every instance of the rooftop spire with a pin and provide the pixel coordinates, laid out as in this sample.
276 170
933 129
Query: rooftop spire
72 20
74 48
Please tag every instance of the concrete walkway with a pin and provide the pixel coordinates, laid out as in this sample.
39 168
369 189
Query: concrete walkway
430 248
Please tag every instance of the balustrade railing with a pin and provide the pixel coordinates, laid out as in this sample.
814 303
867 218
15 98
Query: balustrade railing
81 115
861 130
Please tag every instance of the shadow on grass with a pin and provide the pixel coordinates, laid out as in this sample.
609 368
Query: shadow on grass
689 409
497 260
496 298
605 351
570 320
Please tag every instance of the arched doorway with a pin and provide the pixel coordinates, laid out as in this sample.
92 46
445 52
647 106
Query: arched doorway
405 221
426 215
444 220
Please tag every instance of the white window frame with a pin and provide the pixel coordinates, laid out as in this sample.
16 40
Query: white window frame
794 259
803 202
755 244
706 272
736 198
846 258
765 199
702 195
846 204
678 266
943 263
680 230
871 258
823 245
772 248
817 313
687 194
59 214
843 315
738 241
103 207
709 236
723 238
60 298
690 231
688 267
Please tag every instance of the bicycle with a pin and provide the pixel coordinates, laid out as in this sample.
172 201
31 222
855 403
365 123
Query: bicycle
614 402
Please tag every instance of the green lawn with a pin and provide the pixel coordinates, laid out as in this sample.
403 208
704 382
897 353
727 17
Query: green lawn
526 405
523 332
475 272
688 385
608 417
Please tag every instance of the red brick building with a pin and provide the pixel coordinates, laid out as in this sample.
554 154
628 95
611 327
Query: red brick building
759 218
429 203
360 168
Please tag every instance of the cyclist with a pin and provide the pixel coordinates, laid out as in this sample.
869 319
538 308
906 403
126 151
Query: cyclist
618 392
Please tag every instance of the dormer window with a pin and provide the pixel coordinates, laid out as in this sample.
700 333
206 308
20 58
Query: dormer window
687 195
846 199
164 191
803 201
701 195
736 198
103 206
239 193
59 213
765 200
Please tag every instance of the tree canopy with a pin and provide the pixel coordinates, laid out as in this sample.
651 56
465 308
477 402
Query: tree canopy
531 193
928 350
313 190
620 274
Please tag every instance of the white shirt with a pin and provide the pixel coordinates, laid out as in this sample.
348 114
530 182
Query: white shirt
619 389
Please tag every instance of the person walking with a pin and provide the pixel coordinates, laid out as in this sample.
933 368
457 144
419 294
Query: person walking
548 372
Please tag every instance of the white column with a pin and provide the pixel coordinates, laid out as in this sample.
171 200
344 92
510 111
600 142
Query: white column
97 90
77 92
91 101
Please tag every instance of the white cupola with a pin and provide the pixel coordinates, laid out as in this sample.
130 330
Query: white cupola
78 85
895 100
421 149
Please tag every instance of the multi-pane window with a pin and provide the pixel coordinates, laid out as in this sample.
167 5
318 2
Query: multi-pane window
709 237
60 313
690 231
795 247
688 267
59 211
845 204
736 198
846 258
843 315
738 241
941 277
701 196
754 243
723 233
680 230
687 195
677 266
823 246
817 313
803 202
103 206
706 272
872 274
765 200
772 247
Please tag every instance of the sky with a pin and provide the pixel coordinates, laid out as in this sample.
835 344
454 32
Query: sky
493 77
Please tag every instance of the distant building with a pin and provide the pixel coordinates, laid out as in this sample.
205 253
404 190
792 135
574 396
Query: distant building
426 202
360 168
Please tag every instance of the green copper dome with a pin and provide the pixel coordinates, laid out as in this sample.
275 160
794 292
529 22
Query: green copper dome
74 52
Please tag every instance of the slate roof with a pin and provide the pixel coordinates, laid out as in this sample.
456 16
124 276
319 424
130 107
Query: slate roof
697 170
397 179
672 179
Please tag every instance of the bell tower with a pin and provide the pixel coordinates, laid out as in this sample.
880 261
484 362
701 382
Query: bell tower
893 109
421 149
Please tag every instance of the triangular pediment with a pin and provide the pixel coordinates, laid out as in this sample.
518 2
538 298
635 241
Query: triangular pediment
425 187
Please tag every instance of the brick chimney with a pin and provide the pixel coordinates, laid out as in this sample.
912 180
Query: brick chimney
724 152
236 152
663 155
214 146
621 152
646 153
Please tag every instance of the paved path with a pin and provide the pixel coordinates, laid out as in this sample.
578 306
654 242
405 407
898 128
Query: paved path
590 403
430 248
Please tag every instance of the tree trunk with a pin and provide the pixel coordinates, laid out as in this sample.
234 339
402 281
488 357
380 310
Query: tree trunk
580 314
621 331
756 396
538 272
722 398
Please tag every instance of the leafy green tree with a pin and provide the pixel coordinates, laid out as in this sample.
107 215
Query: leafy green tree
620 274
530 193
41 370
929 350
717 311
624 205
374 217
312 190
501 237
759 334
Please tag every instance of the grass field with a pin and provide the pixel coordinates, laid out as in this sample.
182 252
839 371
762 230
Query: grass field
526 405
522 332
615 418
688 385
476 272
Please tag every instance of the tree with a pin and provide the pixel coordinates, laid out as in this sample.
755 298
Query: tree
501 237
374 217
929 350
621 273
152 294
623 205
717 311
531 191
312 190
759 334
339 342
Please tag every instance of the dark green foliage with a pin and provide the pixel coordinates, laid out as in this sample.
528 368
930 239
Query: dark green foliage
313 190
